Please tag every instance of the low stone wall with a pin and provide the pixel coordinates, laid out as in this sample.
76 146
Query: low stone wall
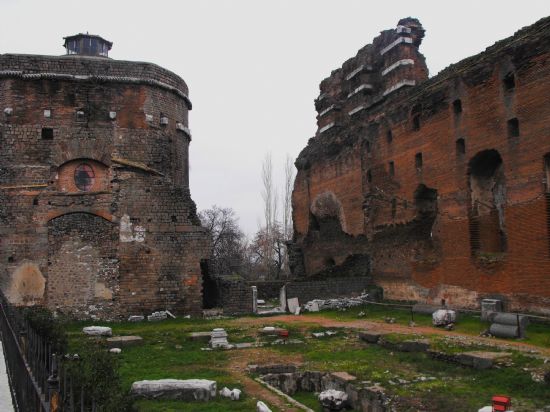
361 397
325 289
235 295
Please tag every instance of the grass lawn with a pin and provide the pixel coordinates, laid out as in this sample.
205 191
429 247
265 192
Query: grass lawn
537 334
416 381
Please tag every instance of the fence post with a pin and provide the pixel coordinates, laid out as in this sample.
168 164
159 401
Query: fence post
53 385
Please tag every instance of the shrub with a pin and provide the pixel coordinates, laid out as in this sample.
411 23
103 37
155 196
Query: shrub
96 373
47 326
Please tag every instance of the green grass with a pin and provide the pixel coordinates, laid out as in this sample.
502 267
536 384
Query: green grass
167 352
537 334
308 399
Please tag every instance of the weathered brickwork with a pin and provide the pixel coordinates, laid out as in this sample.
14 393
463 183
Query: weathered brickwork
96 216
442 183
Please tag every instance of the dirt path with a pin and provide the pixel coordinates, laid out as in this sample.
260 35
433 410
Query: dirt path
240 359
377 326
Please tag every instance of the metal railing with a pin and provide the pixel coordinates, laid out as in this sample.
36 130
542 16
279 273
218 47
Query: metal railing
28 393
40 380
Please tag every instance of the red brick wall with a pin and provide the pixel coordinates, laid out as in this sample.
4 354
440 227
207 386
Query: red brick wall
413 261
154 258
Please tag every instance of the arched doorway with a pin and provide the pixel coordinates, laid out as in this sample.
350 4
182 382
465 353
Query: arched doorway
82 260
487 202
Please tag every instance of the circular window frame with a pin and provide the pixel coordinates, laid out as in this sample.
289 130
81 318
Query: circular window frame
90 172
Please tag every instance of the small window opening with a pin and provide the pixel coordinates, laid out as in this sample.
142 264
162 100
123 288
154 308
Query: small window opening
80 115
416 122
10 259
369 176
389 136
513 127
460 147
509 82
174 219
47 133
418 161
35 201
457 106
367 146
391 167
393 208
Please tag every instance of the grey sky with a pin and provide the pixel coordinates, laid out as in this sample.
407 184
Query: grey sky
253 67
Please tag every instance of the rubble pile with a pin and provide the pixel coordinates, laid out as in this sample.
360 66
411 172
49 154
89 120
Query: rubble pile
337 303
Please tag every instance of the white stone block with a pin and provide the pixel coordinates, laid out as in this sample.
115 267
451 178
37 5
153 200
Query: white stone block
262 407
293 303
97 331
187 390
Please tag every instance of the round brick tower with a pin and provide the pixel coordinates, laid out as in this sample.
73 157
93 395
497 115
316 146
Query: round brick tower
95 209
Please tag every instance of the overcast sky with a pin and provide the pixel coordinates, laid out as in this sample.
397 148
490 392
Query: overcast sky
253 67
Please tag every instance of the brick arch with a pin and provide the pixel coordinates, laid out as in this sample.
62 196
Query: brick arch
79 149
326 206
94 212
66 175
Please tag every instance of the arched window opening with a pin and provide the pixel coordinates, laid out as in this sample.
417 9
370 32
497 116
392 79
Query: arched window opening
84 177
425 205
488 199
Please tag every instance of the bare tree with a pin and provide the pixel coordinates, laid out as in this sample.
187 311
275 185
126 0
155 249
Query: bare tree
228 240
267 192
287 200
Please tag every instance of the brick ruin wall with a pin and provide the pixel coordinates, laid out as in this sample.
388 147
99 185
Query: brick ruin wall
131 242
442 184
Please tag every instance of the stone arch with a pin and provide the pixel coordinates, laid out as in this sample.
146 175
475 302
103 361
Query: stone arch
326 210
487 184
82 261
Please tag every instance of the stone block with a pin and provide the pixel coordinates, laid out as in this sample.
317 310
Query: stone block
184 390
293 304
124 341
414 345
480 359
333 400
97 331
262 407
369 337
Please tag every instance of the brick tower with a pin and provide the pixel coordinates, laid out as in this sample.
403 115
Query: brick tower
95 209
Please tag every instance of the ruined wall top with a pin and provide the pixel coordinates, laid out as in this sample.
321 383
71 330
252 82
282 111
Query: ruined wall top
390 63
79 67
